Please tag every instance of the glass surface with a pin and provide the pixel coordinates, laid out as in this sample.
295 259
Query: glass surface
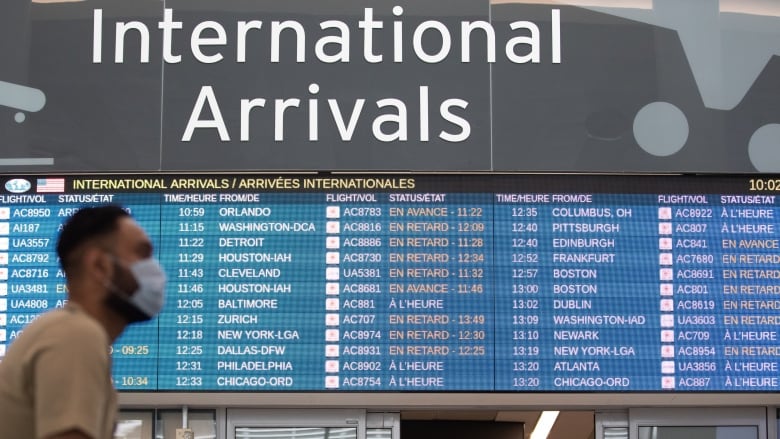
295 433
615 433
134 424
128 429
704 432
379 433
202 422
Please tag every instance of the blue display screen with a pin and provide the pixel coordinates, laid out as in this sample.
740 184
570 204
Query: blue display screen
490 283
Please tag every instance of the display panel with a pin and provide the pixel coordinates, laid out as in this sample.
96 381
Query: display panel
494 283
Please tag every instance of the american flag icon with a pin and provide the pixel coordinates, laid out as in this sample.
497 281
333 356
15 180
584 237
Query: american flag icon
52 185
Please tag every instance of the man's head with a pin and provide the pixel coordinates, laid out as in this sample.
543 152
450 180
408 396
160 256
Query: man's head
107 258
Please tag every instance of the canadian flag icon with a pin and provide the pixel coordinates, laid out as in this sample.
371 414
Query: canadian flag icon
665 213
667 382
332 242
667 305
667 290
667 336
667 351
666 274
332 366
665 243
664 228
665 259
5 213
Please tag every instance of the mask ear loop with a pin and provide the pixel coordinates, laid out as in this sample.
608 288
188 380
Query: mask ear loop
109 284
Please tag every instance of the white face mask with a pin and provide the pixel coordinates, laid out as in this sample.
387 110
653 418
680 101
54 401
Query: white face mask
148 298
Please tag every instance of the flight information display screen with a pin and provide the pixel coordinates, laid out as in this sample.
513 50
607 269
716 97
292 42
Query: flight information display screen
494 283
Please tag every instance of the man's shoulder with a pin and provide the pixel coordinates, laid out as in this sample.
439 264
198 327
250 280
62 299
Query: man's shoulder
67 324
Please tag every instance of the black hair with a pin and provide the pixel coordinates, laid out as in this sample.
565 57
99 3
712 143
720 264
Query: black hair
87 223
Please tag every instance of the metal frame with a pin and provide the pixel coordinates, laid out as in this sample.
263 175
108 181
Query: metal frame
715 416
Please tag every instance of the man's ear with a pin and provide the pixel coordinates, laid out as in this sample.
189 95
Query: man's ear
97 262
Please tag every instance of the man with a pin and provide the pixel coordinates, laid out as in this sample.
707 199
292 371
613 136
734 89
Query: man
55 381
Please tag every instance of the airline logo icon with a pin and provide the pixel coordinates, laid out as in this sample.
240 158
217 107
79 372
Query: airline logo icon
332 304
331 319
332 288
332 366
3 258
667 320
665 259
666 274
667 367
332 350
664 228
5 228
331 335
332 273
332 257
5 213
332 242
665 213
332 227
667 336
332 212
667 351
667 382
667 305
331 382
665 243
667 290
3 243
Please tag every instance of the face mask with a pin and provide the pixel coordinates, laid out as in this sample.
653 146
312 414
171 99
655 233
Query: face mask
147 299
